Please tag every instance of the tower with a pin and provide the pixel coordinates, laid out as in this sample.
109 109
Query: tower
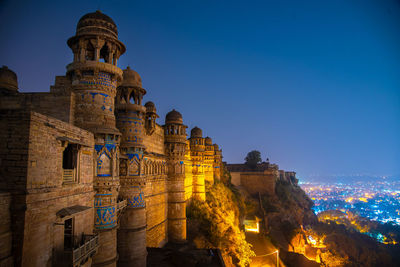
209 161
130 121
217 162
197 148
175 144
151 116
188 173
94 75
8 81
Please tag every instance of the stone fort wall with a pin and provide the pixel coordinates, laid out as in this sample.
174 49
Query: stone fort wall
261 179
45 194
156 193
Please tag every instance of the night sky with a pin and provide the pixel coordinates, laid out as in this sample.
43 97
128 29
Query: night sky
313 85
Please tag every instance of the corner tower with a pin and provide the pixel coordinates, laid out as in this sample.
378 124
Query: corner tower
94 75
175 144
217 162
197 148
130 121
209 161
8 81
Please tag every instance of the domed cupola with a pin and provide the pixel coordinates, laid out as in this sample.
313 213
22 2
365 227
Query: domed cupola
130 91
8 79
96 39
150 107
173 117
97 23
131 78
208 141
196 132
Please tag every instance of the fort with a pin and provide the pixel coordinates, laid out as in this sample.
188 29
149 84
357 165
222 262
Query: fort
87 175
261 179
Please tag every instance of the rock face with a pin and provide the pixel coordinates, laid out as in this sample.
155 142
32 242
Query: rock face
304 241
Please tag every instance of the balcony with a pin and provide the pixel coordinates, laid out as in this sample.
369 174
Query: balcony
81 254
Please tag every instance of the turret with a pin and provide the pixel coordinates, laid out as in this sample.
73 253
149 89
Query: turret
151 116
8 81
209 161
217 162
175 144
94 75
94 72
130 121
197 148
188 173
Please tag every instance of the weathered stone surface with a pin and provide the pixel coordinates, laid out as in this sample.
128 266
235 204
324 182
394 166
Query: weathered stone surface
70 157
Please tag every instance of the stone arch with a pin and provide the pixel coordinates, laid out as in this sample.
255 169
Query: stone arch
90 51
104 53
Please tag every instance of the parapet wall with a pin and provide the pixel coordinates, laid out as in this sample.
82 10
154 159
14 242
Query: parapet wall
261 179
255 182
155 143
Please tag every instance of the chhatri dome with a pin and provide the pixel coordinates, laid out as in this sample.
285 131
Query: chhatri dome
208 141
174 117
92 27
8 79
96 22
131 78
196 132
150 107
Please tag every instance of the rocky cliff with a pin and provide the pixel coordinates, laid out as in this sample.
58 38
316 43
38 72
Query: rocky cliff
292 226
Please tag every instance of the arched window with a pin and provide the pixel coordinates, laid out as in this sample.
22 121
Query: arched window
104 53
89 51
132 98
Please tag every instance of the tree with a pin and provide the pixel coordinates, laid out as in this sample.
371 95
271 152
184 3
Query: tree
253 158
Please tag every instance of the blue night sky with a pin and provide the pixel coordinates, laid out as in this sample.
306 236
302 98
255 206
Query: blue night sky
313 85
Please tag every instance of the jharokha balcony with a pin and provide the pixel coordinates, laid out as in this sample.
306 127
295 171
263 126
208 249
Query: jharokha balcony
81 254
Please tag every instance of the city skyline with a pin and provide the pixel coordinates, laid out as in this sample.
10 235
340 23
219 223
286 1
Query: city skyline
314 87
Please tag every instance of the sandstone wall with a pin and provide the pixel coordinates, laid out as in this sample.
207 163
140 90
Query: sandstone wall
6 258
258 182
56 106
48 195
235 178
155 143
14 136
38 231
156 196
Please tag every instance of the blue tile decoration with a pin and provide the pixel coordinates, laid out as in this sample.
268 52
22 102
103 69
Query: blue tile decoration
104 212
137 200
105 217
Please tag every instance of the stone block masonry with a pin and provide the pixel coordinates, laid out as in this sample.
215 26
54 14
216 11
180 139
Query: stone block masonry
88 161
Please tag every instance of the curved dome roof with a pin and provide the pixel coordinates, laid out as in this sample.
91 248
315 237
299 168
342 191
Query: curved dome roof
97 23
216 147
208 141
174 117
196 132
8 79
131 78
150 107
